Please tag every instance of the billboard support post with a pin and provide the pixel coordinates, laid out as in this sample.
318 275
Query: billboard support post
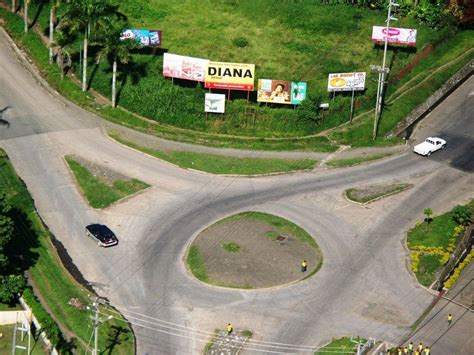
228 94
352 106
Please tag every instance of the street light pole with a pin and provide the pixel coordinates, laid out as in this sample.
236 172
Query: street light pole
382 70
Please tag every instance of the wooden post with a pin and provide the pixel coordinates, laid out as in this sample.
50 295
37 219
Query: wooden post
228 94
352 106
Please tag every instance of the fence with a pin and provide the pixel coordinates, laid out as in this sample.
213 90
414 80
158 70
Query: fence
462 249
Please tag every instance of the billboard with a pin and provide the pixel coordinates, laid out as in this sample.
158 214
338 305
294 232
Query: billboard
346 81
232 76
188 68
281 91
394 35
144 37
214 103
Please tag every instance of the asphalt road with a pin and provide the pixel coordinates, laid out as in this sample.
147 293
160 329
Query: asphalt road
363 287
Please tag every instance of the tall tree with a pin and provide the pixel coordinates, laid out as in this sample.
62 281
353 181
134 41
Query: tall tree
88 17
54 6
25 13
115 49
6 231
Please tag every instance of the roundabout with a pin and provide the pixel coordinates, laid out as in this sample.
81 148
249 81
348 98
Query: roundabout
253 250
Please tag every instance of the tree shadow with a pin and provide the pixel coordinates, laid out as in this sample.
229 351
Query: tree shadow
92 75
116 337
21 248
38 12
4 122
133 71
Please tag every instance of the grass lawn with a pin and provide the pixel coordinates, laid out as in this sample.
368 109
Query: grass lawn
303 36
339 163
98 193
218 164
7 307
338 346
6 342
50 278
365 195
437 233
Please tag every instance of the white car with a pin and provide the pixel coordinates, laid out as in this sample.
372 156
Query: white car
430 145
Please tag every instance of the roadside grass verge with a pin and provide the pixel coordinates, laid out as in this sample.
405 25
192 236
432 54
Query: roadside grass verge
52 282
218 164
7 307
431 244
6 342
196 263
371 193
98 193
339 163
338 346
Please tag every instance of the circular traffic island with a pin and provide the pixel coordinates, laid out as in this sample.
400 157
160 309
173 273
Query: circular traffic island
253 250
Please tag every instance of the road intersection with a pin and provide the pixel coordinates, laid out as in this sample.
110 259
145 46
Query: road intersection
363 288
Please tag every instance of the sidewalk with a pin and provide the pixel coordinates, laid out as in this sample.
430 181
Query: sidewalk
459 337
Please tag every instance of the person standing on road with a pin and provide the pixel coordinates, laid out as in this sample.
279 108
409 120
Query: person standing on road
229 329
420 348
450 319
410 348
405 350
427 350
304 266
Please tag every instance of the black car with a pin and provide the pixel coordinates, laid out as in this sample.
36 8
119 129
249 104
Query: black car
102 234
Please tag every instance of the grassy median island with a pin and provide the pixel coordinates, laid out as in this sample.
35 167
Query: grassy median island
219 164
374 192
53 284
339 163
102 186
238 252
431 244
339 346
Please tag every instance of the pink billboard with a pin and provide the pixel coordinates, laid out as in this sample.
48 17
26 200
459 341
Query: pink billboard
394 35
181 67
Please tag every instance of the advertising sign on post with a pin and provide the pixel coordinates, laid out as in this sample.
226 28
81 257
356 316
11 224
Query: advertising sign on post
281 91
188 68
214 103
144 37
231 76
346 81
394 35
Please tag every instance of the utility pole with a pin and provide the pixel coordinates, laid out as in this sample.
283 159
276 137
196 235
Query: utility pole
97 321
382 71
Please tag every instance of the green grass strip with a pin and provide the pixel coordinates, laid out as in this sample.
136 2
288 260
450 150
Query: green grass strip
218 164
97 192
196 263
54 283
339 163
339 346
352 194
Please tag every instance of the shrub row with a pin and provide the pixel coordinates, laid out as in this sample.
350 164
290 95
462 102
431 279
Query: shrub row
48 325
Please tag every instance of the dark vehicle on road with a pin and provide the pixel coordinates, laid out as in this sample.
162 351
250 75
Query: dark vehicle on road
102 235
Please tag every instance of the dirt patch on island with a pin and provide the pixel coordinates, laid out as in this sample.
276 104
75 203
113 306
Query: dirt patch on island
106 175
261 261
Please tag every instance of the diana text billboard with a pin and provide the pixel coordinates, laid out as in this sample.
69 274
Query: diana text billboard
231 76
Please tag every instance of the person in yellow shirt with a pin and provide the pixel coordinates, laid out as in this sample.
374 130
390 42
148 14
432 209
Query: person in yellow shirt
405 350
450 319
427 350
229 329
420 348
410 348
304 266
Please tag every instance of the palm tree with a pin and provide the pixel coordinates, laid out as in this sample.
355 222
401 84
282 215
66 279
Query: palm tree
54 6
25 14
88 16
13 5
115 49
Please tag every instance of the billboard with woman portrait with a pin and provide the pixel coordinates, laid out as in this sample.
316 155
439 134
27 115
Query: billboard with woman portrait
281 91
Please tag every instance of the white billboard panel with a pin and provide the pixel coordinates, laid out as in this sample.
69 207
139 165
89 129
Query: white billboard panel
354 81
188 68
214 103
394 35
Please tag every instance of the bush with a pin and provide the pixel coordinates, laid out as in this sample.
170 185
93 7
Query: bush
462 215
240 42
48 325
10 287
